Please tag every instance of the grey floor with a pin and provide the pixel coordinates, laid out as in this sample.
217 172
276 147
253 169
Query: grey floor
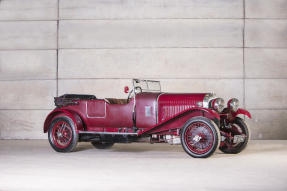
33 165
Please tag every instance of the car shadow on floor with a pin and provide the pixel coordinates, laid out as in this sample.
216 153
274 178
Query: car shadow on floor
166 149
133 147
250 151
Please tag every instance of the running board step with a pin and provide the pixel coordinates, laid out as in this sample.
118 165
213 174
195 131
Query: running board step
106 133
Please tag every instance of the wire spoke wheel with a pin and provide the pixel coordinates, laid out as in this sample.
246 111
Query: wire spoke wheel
199 137
62 135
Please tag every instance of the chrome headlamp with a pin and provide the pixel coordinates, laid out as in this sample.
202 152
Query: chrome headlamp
233 104
207 98
218 104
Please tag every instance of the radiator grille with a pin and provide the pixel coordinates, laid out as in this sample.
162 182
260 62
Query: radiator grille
170 105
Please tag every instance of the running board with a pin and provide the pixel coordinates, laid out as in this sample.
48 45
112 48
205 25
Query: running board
105 133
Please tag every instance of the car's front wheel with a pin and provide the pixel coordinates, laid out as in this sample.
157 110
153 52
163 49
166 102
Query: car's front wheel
200 137
62 134
102 145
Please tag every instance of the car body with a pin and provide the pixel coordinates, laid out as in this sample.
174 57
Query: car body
198 121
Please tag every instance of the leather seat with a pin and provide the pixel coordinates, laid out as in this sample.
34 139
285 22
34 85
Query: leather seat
116 101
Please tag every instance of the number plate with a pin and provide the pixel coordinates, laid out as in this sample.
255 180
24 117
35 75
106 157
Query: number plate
238 138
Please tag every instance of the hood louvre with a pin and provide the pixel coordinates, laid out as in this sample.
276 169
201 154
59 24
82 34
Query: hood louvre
170 105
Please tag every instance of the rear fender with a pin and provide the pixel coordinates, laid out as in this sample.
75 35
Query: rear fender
177 122
63 112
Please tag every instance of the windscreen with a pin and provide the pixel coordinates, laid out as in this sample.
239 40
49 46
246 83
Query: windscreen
147 85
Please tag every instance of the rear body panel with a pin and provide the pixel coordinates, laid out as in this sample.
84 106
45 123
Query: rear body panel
99 115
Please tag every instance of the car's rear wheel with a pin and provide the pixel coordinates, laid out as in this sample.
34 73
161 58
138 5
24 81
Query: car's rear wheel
239 129
102 145
200 137
62 134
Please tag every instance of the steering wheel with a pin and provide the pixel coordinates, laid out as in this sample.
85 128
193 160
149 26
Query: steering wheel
137 88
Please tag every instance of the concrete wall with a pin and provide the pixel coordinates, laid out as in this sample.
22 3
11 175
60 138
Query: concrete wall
235 48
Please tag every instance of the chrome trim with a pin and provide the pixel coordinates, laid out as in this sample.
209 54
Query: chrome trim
233 104
207 98
146 82
218 104
157 106
106 133
134 105
199 104
96 117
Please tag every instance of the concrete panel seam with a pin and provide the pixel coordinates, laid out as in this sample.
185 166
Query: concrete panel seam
243 55
57 57
25 109
132 48
158 47
17 20
108 78
163 78
133 19
12 80
24 49
154 47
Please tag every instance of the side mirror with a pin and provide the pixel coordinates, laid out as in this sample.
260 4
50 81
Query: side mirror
126 89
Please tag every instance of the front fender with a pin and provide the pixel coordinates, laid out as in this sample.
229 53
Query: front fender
209 113
177 121
58 112
243 112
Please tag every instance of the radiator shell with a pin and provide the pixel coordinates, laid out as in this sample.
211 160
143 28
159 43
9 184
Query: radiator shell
170 105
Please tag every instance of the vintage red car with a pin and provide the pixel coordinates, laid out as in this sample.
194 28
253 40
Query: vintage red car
198 121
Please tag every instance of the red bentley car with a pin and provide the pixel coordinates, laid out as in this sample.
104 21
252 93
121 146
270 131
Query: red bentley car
198 121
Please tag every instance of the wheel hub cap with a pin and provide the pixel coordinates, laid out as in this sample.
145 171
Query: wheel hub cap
59 134
196 138
62 134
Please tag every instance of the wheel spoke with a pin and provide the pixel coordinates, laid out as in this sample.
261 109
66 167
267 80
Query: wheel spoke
199 137
63 128
62 134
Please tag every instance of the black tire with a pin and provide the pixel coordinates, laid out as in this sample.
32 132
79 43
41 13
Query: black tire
102 145
74 136
241 146
211 131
